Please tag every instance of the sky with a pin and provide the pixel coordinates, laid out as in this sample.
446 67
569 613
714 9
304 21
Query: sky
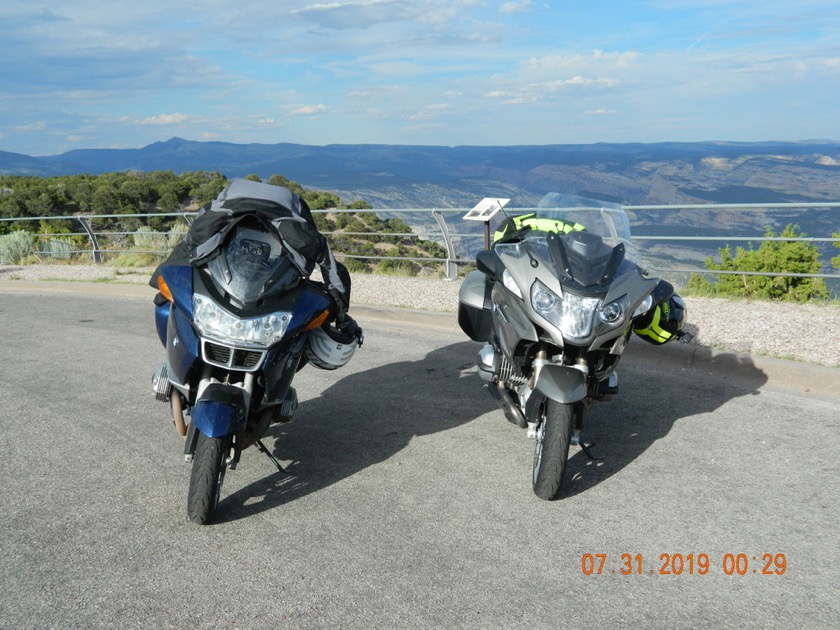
83 74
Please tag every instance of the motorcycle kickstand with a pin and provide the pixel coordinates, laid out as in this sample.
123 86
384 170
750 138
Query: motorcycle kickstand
577 440
273 459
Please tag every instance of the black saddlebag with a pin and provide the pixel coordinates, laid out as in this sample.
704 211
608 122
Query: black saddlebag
474 307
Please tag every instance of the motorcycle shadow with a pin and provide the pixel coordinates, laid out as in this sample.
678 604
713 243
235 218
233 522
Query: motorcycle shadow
650 401
360 420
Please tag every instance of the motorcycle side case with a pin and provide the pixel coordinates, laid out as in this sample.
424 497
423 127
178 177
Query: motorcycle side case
475 308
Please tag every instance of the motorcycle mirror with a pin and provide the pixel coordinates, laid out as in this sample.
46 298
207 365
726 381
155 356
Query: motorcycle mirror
663 292
487 262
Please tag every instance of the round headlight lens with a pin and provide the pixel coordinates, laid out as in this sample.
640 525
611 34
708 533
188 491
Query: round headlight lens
611 313
544 301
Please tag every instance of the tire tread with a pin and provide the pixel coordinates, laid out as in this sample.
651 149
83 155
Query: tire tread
548 479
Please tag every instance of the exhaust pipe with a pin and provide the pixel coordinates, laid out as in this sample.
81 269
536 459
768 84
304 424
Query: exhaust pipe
178 415
163 391
512 411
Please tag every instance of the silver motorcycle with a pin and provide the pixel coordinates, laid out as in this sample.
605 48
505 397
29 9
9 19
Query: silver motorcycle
555 299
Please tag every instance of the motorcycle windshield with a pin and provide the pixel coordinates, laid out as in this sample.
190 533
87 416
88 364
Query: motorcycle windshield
252 266
607 220
587 241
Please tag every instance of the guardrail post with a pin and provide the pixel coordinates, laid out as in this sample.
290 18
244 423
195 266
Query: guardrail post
451 267
94 244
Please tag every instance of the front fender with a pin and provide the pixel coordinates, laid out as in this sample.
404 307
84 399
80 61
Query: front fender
220 411
564 384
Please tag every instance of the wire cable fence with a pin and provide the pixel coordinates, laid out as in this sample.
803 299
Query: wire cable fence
673 239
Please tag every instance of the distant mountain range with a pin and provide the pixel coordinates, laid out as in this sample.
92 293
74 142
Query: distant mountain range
397 176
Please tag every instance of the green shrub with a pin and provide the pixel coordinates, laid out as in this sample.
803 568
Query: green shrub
135 259
770 257
392 267
149 240
356 265
55 248
15 247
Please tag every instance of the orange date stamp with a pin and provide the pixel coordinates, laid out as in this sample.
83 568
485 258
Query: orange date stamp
683 564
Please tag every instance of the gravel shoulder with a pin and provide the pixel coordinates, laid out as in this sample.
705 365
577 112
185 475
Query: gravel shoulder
807 333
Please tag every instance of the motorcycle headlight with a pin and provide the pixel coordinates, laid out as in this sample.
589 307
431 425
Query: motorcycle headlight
611 313
614 314
571 313
215 322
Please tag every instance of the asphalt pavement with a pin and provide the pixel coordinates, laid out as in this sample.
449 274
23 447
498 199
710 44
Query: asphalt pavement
713 503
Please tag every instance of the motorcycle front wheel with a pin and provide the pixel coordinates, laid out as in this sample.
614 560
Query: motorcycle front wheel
551 451
208 473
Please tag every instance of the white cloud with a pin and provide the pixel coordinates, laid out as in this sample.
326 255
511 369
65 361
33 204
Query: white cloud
545 90
307 110
379 64
344 15
578 63
578 81
165 119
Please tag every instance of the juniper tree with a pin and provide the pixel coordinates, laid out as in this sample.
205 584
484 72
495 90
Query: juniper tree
772 257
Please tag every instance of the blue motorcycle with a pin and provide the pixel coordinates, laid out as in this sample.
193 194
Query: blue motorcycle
237 328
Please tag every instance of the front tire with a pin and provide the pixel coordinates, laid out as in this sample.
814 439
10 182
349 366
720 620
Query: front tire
551 451
208 473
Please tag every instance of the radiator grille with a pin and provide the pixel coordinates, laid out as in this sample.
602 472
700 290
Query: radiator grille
233 358
214 353
247 358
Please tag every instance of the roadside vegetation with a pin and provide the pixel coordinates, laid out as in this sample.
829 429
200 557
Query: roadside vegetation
364 241
777 256
139 232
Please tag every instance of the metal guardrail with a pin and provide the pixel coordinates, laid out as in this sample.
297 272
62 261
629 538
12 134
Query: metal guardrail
742 239
451 237
440 230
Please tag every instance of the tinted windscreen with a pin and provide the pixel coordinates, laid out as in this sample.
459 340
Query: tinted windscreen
252 266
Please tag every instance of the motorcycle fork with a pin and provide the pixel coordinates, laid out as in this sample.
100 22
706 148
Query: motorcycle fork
581 413
246 383
580 408
540 359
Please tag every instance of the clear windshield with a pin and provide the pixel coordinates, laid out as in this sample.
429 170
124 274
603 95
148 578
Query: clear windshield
588 232
252 266
607 220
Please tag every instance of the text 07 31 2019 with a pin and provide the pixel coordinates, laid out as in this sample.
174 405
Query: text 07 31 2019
736 563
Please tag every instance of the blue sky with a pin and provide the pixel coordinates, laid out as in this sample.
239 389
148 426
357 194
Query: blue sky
93 74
